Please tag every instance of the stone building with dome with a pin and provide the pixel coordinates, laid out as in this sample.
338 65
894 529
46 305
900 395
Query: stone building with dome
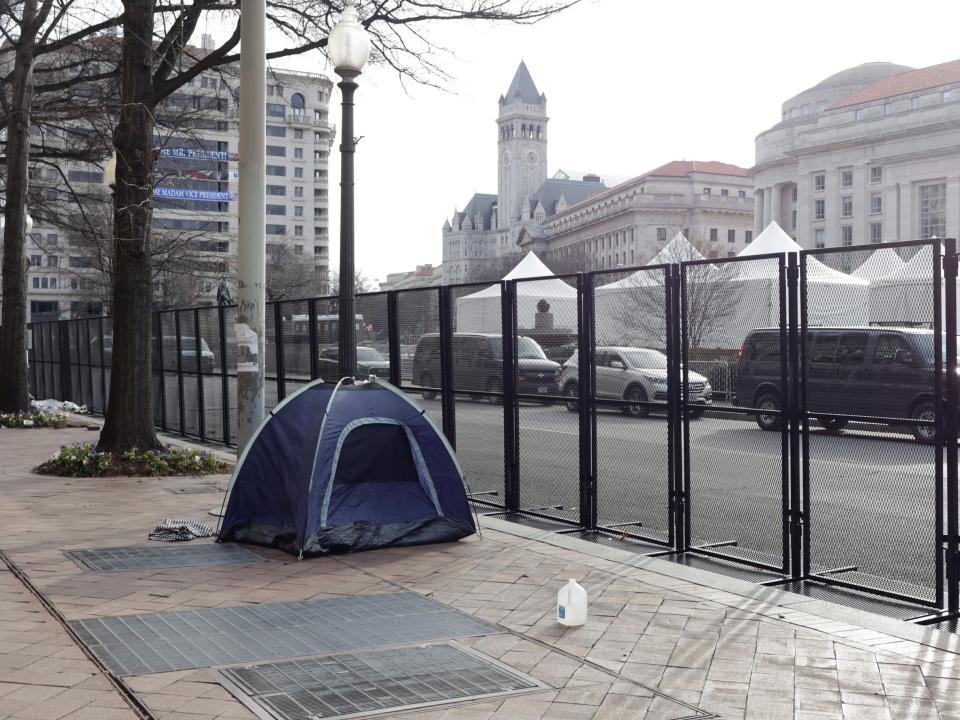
578 223
868 155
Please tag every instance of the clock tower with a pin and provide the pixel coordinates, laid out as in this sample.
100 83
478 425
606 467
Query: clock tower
521 147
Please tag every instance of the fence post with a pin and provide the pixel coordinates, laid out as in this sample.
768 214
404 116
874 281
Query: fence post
224 379
312 338
681 494
674 449
278 340
791 415
103 367
511 419
393 339
179 349
158 327
447 390
950 425
63 340
201 410
585 406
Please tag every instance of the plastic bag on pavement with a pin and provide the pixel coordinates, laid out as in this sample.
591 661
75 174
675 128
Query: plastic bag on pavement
53 406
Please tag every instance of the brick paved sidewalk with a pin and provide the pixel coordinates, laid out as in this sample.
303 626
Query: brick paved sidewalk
663 641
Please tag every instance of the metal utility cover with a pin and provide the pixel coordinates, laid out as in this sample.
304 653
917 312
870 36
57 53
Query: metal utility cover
372 682
208 637
148 557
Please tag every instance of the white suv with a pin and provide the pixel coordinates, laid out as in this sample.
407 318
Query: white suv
637 374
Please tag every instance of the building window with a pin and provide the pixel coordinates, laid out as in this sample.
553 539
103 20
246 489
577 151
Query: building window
876 233
53 283
748 237
276 151
876 174
319 156
298 210
298 172
846 235
298 230
846 206
858 114
276 170
713 234
724 192
819 209
661 234
275 110
298 134
946 96
36 283
915 103
707 191
933 215
819 182
276 131
44 283
277 190
276 229
846 178
53 261
298 191
36 260
793 219
298 105
298 153
298 249
888 108
318 249
276 209
819 240
793 193
876 203
742 194
731 236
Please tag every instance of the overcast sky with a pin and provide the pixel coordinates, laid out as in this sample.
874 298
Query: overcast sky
630 85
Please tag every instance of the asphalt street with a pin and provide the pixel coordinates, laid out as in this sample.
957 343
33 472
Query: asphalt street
872 494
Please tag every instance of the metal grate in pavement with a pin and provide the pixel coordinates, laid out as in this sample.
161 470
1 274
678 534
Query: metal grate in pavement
372 682
148 557
161 642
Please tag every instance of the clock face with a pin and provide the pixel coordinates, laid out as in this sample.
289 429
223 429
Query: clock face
506 159
533 159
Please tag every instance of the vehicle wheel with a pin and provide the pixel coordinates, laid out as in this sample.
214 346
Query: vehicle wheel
495 386
426 380
571 392
695 413
832 424
926 434
636 394
768 401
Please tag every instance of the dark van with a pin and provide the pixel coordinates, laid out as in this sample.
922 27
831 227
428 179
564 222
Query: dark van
478 365
876 372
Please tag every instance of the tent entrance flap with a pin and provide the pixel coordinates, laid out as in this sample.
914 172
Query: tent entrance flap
384 452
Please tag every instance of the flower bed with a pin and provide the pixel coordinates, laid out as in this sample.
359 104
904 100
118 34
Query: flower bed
33 419
83 460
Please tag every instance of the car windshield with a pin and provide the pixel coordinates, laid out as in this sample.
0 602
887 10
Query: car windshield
924 343
645 359
368 354
527 348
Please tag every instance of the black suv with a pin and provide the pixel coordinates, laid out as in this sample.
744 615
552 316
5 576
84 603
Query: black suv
478 365
880 372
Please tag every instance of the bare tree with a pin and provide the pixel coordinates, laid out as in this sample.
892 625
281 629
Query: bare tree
291 276
360 283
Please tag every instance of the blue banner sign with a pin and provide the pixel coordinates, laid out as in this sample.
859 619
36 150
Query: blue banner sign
184 194
192 154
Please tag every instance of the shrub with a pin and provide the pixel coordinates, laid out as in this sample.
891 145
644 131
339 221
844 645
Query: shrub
34 419
83 460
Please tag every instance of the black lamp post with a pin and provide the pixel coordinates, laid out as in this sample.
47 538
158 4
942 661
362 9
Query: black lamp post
348 46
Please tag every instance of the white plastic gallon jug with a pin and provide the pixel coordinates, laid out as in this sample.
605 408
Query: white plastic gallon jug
572 605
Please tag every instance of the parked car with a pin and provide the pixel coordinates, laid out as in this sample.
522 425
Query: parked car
478 365
369 362
633 374
188 352
881 372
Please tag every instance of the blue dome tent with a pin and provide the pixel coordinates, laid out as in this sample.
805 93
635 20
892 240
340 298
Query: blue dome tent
355 466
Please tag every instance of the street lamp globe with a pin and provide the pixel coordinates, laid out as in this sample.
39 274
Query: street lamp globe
348 44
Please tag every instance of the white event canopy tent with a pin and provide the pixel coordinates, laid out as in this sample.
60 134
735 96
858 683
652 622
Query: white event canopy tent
480 311
907 296
881 264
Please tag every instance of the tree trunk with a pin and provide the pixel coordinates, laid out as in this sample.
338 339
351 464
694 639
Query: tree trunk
14 387
129 419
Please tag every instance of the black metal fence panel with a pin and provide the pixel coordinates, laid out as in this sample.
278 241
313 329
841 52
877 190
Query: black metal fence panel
795 413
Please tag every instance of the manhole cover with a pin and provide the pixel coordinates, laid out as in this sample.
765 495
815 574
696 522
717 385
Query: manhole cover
148 557
193 489
161 642
372 682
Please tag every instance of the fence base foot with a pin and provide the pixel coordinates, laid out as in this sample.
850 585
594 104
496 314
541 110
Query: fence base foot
728 543
935 618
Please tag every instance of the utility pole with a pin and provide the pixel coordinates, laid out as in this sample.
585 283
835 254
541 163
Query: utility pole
251 252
